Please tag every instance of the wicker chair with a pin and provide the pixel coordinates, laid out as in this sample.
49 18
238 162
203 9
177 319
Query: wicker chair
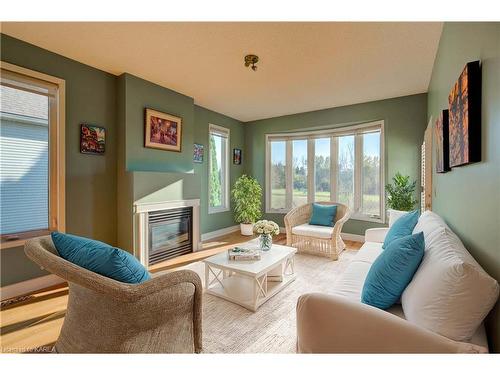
330 247
161 315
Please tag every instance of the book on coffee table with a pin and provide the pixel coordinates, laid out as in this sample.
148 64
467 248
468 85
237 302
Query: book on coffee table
239 253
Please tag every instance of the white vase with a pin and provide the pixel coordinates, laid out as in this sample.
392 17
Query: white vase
246 229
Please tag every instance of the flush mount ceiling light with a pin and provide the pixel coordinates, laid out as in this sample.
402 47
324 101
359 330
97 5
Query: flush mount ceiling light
251 60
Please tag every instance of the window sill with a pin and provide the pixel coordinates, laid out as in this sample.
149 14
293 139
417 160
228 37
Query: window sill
217 210
9 241
367 218
356 217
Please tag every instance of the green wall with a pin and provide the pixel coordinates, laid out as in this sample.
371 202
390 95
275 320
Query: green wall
204 117
468 197
149 175
90 179
404 124
100 190
141 94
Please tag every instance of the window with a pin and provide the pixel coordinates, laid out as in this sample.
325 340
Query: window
218 173
344 165
322 170
345 175
278 177
370 174
31 155
299 171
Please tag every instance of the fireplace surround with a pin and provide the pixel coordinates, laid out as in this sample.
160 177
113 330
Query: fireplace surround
164 230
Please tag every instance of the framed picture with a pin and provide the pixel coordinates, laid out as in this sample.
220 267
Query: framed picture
163 131
464 104
236 156
92 139
442 143
198 153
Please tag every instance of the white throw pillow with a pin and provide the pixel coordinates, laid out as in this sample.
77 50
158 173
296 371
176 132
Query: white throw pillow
450 293
428 223
394 215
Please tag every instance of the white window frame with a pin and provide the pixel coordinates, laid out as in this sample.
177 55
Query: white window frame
57 163
332 133
225 168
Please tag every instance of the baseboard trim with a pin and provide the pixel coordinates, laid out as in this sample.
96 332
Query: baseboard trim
25 287
219 232
352 237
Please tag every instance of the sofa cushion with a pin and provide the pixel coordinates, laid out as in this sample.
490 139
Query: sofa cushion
100 258
402 227
318 231
429 223
350 283
392 271
450 293
323 214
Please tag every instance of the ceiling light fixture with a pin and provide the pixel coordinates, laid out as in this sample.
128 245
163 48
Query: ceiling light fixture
251 60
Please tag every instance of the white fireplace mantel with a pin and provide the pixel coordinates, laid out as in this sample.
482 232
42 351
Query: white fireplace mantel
141 212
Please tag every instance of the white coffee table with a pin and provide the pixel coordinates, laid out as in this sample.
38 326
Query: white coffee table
250 283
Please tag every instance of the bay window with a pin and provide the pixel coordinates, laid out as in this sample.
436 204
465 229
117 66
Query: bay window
342 165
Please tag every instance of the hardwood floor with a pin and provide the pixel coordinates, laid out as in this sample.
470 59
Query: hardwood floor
32 324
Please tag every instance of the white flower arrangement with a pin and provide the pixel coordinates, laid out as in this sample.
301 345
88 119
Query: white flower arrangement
266 227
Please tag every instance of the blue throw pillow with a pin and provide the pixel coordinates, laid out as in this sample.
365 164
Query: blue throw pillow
323 214
100 258
392 271
401 227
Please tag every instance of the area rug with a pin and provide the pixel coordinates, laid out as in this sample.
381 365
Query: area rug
230 328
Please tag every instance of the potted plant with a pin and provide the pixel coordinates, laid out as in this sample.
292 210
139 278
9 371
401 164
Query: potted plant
246 194
401 194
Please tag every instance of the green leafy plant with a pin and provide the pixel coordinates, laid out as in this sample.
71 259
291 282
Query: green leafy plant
400 194
247 196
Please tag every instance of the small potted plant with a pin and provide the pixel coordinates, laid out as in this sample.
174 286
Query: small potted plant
400 194
247 195
266 229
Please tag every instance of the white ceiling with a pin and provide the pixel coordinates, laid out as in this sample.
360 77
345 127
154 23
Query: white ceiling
303 66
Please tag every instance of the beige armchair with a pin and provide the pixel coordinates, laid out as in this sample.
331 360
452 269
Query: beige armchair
313 239
161 315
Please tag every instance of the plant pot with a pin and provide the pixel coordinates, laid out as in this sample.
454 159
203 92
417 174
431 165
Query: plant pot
246 229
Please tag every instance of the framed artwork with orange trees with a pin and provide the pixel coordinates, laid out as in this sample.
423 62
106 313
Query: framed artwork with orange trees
464 104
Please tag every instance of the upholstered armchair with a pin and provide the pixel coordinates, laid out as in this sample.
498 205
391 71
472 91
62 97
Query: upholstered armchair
161 315
315 239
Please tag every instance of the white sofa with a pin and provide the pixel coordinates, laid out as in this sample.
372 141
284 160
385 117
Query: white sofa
340 323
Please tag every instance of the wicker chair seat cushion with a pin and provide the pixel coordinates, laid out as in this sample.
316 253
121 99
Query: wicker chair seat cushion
317 231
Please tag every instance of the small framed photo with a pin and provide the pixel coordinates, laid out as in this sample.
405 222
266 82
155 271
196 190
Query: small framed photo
92 139
163 131
236 156
198 153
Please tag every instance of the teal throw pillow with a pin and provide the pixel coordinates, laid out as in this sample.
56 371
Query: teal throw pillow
323 214
100 258
392 271
401 227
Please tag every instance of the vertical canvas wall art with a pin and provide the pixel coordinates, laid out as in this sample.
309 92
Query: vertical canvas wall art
442 143
465 117
236 156
198 153
163 131
92 139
